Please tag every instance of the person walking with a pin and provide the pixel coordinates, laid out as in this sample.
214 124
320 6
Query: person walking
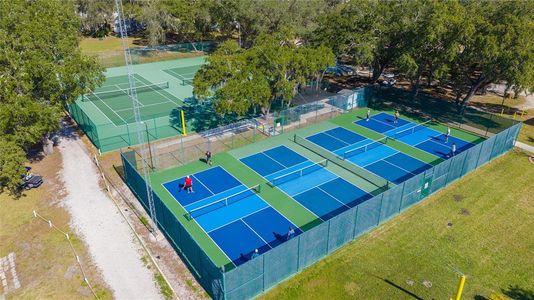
208 157
368 114
397 114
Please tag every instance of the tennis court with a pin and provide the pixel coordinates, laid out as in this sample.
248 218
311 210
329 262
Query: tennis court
413 134
113 101
234 216
374 156
184 74
309 183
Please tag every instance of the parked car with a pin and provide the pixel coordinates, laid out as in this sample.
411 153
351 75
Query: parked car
30 181
389 80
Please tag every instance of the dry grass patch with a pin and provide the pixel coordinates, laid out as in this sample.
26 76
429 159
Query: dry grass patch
45 264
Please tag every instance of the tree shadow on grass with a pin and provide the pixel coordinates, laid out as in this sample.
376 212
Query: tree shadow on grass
517 293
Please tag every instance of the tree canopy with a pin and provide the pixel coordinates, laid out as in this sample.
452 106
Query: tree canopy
270 48
253 78
461 44
41 69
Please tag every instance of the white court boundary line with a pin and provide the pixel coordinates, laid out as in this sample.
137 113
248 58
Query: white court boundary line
109 108
231 261
234 220
283 192
164 96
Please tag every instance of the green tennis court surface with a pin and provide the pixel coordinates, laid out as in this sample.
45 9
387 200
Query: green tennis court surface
113 101
184 74
106 115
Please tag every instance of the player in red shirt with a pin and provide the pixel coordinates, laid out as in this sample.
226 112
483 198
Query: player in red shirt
188 184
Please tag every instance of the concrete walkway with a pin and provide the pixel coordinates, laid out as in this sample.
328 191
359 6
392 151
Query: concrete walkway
525 147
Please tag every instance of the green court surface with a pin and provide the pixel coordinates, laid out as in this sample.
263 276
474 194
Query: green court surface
113 101
106 115
274 196
184 74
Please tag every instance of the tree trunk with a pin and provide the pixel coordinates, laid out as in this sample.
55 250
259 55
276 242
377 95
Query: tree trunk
268 108
430 77
377 71
415 86
472 90
320 79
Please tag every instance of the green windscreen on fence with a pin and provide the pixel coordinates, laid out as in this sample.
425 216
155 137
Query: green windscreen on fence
207 273
341 229
265 271
117 129
259 274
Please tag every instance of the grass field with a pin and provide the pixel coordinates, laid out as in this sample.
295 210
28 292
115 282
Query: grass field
109 52
526 135
45 264
490 240
511 106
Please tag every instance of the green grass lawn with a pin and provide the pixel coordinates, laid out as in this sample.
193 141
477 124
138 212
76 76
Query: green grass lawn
490 240
109 53
526 135
512 108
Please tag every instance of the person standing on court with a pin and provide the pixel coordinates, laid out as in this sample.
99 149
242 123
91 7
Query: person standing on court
447 134
396 116
188 184
453 149
208 157
254 254
368 114
290 233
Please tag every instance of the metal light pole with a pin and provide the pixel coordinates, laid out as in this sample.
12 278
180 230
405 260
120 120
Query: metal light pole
132 93
149 146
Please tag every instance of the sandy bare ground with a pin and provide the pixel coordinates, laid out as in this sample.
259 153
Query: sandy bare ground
529 97
109 239
530 101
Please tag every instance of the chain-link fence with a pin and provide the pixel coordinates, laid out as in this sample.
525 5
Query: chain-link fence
263 272
110 136
267 270
141 55
471 119
182 150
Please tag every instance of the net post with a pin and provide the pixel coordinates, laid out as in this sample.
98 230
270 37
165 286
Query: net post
182 115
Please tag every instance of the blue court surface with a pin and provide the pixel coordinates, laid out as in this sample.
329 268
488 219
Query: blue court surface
416 135
374 156
234 216
311 184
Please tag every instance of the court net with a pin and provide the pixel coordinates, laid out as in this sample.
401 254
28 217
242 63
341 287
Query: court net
187 81
299 173
410 130
347 165
125 92
204 209
365 148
